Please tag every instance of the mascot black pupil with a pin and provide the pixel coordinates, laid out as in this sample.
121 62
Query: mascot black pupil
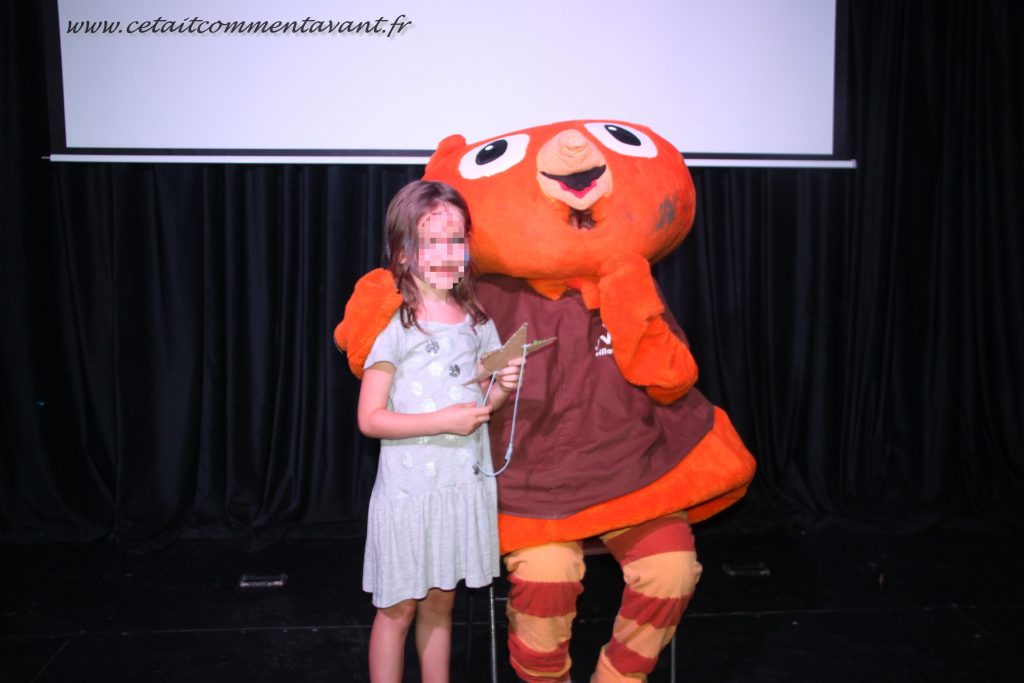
492 152
623 136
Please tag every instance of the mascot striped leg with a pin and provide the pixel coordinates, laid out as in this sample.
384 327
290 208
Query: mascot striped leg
659 564
545 581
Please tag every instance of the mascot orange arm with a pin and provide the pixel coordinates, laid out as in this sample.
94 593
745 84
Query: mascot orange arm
647 352
367 313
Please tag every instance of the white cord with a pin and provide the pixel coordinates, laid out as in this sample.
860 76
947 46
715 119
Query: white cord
515 413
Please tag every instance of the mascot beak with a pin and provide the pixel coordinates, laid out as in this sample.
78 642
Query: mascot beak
571 169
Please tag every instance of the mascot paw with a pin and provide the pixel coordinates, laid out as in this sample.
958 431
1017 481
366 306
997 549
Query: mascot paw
647 352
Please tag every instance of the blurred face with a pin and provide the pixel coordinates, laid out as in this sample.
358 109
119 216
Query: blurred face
442 247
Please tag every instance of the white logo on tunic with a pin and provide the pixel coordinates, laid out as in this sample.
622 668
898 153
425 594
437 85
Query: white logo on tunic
603 347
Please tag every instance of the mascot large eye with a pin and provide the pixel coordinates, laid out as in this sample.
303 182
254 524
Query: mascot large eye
494 156
623 139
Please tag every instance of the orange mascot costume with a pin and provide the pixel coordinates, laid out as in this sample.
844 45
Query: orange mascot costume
612 440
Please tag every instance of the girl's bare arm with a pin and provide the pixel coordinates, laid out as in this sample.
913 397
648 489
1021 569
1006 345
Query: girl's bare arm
377 422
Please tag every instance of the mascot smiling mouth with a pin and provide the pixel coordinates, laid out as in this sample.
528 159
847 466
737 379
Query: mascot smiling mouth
579 184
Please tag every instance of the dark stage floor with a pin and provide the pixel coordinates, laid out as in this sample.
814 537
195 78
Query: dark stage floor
838 606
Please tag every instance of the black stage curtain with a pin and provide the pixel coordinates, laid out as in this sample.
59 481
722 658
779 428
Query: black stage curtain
168 367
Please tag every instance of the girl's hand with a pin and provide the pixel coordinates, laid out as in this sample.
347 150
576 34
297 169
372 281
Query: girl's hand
463 418
508 377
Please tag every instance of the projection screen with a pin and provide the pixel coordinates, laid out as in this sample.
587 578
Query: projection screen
731 82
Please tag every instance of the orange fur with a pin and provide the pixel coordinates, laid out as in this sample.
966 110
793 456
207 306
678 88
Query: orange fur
521 232
367 313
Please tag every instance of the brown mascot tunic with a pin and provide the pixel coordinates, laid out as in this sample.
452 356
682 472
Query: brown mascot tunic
581 428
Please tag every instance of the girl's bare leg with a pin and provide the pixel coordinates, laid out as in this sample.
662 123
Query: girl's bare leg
434 634
387 641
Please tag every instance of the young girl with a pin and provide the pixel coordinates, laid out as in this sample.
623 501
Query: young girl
433 511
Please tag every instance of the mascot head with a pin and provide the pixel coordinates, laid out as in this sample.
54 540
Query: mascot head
556 201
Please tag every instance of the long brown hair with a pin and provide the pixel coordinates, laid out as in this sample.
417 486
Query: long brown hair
411 204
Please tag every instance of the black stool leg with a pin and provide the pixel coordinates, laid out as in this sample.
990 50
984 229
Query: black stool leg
494 635
672 659
470 616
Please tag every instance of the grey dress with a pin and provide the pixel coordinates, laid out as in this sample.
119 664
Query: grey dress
432 519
